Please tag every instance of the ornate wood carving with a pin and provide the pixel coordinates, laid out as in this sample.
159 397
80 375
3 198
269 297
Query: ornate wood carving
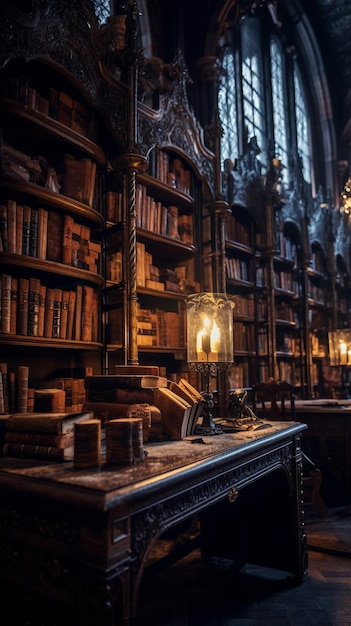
175 125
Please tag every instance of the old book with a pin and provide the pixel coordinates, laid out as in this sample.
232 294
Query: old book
49 312
33 307
23 305
13 305
22 378
6 281
19 228
78 313
70 315
40 439
115 381
175 412
87 444
33 232
52 400
55 423
4 385
73 177
64 314
26 229
67 239
43 453
56 320
42 233
41 310
120 395
87 313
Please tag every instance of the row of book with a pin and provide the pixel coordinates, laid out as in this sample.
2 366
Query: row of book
245 306
58 394
51 102
163 220
179 405
178 279
31 308
44 436
237 269
167 408
155 327
237 231
47 235
285 280
64 174
170 171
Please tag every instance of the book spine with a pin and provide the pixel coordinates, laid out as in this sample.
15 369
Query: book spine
40 439
22 375
41 310
28 451
23 306
6 281
33 307
5 388
56 320
49 312
26 230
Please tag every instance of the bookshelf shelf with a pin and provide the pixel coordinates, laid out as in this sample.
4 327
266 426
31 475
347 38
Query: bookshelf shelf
48 198
43 342
42 128
166 193
38 266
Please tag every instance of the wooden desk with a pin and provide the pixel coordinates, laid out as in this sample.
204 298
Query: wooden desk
76 542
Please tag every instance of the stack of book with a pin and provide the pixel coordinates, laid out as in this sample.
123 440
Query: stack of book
176 406
42 436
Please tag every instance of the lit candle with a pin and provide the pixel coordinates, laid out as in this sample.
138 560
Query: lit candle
203 345
215 343
343 353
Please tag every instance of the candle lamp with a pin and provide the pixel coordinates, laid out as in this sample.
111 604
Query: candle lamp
209 344
340 354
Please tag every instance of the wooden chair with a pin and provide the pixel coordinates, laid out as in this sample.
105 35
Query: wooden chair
275 401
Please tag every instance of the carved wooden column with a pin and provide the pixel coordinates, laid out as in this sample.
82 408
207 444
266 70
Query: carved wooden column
271 198
131 164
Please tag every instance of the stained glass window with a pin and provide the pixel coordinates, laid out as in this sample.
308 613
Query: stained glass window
279 104
302 127
252 83
102 10
227 109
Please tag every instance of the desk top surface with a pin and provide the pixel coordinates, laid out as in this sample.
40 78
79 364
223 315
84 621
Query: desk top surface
323 406
166 463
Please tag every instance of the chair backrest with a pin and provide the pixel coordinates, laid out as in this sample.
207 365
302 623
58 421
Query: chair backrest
274 400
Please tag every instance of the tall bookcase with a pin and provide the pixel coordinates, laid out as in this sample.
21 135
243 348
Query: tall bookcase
51 249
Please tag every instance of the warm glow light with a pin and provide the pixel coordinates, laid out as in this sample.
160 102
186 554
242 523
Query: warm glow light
340 347
209 329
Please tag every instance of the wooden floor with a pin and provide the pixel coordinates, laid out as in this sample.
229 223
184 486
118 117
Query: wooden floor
193 593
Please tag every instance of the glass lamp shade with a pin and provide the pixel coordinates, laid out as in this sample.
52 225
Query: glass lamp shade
340 347
209 328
